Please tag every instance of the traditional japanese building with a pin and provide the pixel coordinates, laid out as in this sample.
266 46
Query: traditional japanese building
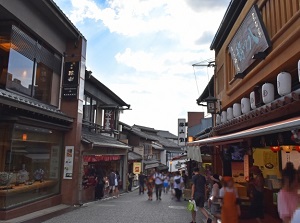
256 84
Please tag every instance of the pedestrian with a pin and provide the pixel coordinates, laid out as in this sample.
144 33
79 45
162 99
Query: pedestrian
141 179
185 178
166 183
150 185
288 199
178 185
99 189
158 180
117 180
230 206
130 177
215 207
112 183
257 194
172 185
198 194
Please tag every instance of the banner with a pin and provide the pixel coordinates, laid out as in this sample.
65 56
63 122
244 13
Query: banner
109 120
137 167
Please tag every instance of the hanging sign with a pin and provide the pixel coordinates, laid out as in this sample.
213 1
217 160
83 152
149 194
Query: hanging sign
137 167
109 120
70 80
68 164
250 38
181 132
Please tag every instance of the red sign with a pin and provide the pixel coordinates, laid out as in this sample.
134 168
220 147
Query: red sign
109 119
98 158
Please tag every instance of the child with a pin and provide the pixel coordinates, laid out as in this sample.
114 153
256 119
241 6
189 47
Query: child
230 207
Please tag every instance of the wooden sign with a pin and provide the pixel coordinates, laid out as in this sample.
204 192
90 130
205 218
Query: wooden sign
250 38
70 80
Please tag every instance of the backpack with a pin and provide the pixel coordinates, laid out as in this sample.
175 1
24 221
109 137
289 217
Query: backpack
178 181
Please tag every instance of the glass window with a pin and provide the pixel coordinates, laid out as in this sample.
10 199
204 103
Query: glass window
43 82
20 72
30 167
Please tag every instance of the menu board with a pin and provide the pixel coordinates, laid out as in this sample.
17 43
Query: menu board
68 164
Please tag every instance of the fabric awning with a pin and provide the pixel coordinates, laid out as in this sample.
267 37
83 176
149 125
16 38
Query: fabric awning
282 126
194 153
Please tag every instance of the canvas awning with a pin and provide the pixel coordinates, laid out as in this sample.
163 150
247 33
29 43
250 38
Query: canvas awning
276 127
194 153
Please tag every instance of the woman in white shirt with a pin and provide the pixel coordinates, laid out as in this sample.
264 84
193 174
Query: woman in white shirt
215 207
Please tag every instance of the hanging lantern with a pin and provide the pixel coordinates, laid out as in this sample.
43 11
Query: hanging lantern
287 149
268 93
237 110
252 100
229 113
284 83
297 148
275 149
224 116
245 105
218 119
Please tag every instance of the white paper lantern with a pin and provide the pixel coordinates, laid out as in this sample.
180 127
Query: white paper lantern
218 119
245 105
284 83
268 93
224 117
299 70
237 110
229 113
252 100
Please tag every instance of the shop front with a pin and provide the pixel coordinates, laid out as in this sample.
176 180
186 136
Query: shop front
101 155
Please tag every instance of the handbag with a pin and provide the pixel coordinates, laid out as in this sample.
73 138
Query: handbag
191 205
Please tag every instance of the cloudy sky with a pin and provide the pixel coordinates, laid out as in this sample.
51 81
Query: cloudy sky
144 50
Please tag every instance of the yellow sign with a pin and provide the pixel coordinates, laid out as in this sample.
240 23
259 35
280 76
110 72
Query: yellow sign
137 168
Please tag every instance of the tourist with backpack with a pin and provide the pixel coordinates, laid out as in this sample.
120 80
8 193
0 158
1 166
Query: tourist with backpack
178 185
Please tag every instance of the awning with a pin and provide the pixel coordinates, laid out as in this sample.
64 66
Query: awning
282 126
158 147
194 153
162 167
150 164
134 156
99 158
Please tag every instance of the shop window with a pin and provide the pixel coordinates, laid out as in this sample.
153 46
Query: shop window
20 73
30 169
33 69
90 110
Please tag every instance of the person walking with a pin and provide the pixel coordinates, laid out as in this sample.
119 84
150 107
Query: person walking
185 178
230 208
198 194
158 180
257 194
288 199
142 179
117 180
130 177
112 183
166 183
100 183
150 185
178 185
215 207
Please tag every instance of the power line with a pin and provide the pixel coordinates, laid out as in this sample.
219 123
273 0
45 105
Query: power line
196 80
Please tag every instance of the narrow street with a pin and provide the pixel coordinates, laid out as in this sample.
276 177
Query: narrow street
131 208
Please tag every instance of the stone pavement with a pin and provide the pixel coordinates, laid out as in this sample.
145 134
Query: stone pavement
129 208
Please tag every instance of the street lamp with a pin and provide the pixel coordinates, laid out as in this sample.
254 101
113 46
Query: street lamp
211 104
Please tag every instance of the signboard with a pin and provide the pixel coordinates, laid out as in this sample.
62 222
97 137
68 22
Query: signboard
246 167
109 120
137 167
70 80
68 163
250 39
181 132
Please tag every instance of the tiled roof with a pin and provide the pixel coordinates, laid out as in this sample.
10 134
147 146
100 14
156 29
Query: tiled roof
143 135
99 140
167 134
134 156
27 103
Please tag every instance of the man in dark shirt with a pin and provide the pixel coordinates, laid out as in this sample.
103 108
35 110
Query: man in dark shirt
142 178
198 194
112 182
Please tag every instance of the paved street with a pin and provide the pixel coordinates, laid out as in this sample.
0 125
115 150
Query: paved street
129 208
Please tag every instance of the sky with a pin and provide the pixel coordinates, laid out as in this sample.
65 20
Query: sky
143 50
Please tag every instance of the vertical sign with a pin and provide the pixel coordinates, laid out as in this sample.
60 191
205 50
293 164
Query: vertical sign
70 80
109 119
68 164
246 167
137 167
181 132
